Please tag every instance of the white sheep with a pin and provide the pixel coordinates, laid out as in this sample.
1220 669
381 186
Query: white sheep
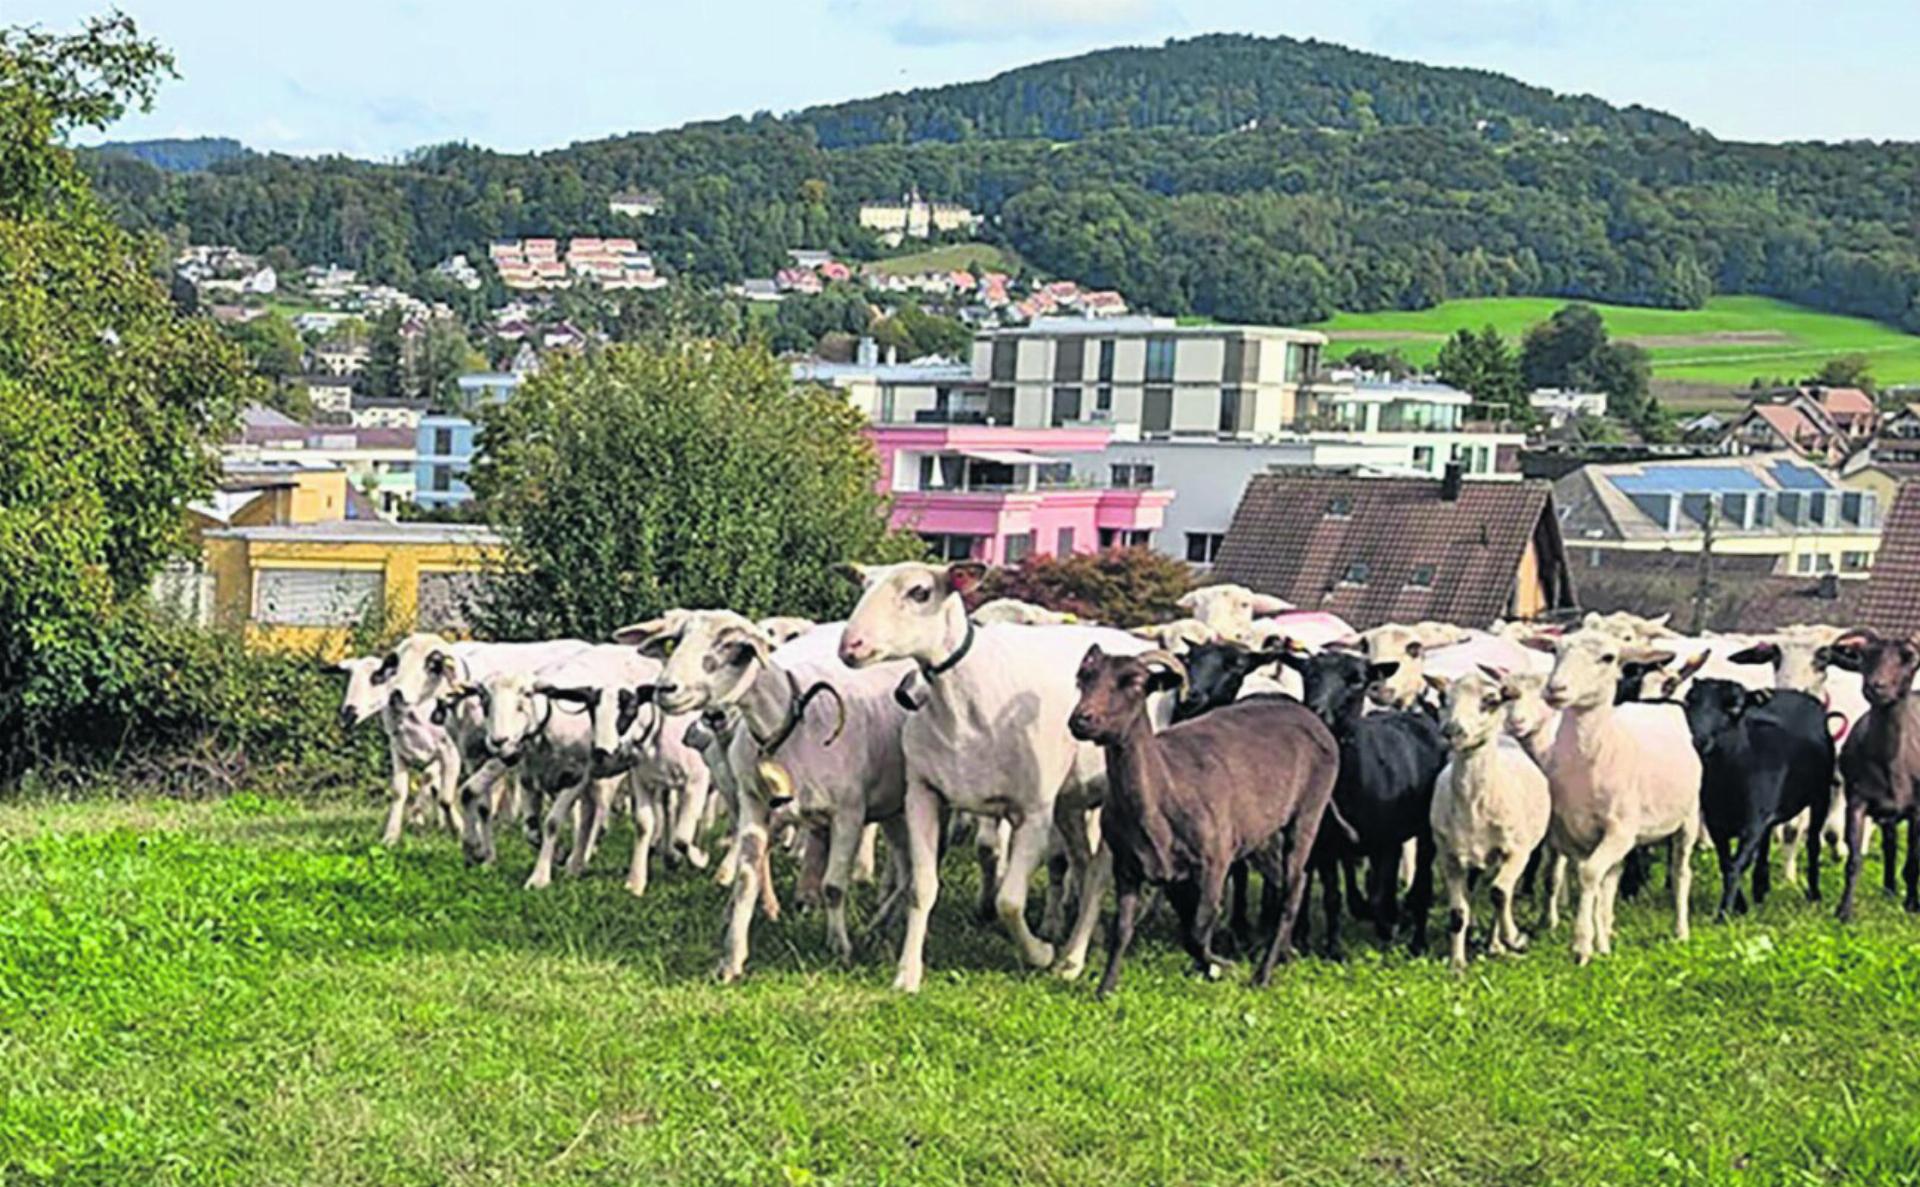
1004 610
1490 806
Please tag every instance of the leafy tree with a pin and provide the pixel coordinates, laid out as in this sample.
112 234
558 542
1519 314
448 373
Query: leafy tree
1625 373
1485 367
1380 362
384 374
688 473
273 346
1554 352
438 362
1848 370
111 403
1124 586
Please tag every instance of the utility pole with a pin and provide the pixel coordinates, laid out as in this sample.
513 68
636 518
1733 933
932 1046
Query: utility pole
1703 592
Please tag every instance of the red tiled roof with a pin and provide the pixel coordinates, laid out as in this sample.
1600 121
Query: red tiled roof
1846 401
1892 604
1303 536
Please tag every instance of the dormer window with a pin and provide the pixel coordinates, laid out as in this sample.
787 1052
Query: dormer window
1340 506
1356 574
1421 577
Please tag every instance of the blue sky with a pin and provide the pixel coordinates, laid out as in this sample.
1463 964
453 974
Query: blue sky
375 77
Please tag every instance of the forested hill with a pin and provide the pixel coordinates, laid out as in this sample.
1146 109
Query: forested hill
1217 84
1458 184
177 155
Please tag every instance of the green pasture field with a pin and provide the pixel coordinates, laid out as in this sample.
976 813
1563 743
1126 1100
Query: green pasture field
1730 342
254 992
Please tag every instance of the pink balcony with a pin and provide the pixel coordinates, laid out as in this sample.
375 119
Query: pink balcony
1028 504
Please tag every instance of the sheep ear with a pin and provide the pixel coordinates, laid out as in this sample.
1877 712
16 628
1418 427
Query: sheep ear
1164 671
963 576
858 574
1188 601
1759 653
1382 671
1539 643
572 696
1651 656
638 633
1492 673
1693 665
1268 604
1439 684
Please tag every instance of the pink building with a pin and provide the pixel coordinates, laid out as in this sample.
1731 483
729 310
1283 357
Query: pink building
1001 494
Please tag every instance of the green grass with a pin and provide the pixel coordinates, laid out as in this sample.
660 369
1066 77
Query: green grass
975 257
1797 339
254 993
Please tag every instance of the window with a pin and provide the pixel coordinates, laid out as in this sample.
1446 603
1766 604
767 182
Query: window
1160 360
1421 577
1855 562
1203 547
443 478
1006 354
945 471
1103 401
1125 538
1014 549
950 546
443 442
1356 573
1340 506
1000 406
1063 542
1066 405
1106 360
1803 563
1130 474
1423 458
1069 356
1852 508
314 597
1823 562
1229 409
1156 410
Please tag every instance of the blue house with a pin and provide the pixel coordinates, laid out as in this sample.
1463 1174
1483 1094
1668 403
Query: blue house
445 442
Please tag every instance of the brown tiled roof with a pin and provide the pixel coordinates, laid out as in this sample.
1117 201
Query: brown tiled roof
1300 536
1892 603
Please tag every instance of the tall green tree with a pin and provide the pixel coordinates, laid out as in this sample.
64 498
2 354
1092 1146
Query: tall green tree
1555 351
111 403
675 473
385 374
1484 366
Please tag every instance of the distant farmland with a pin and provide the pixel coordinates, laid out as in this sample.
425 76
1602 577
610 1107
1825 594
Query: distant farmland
1725 345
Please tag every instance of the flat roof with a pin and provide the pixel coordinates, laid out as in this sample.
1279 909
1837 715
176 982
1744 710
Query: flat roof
366 531
1060 327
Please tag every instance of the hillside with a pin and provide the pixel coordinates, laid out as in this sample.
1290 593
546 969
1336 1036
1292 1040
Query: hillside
1451 184
1731 341
177 155
1217 84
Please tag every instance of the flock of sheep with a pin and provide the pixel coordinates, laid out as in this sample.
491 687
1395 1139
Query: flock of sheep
1180 758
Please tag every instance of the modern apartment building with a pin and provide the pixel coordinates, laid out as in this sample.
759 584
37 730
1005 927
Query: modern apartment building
1162 378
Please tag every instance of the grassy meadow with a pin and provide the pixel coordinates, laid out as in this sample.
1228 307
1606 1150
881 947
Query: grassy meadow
1726 344
948 257
253 992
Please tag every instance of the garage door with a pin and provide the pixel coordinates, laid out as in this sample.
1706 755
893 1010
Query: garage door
314 597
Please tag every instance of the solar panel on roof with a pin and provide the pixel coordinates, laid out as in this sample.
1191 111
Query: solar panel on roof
1793 476
1653 480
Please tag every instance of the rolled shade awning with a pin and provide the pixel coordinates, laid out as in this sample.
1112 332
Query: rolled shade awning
1010 457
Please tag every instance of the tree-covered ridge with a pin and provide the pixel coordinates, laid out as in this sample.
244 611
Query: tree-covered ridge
1267 224
1216 84
177 154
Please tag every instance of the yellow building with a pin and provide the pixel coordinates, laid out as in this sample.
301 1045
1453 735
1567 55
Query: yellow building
307 586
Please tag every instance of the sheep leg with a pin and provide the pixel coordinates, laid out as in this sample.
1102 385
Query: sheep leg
1556 887
1856 855
1593 872
1286 871
1506 885
595 807
689 808
550 834
400 786
1073 958
1359 905
446 784
1420 900
1238 923
1459 909
899 877
1382 898
808 888
990 850
1791 834
1680 874
1732 874
843 847
1723 849
1913 862
753 845
1763 869
1120 933
863 861
642 805
922 812
1185 897
1206 918
1330 895
1024 855
477 809
1821 810
1890 857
